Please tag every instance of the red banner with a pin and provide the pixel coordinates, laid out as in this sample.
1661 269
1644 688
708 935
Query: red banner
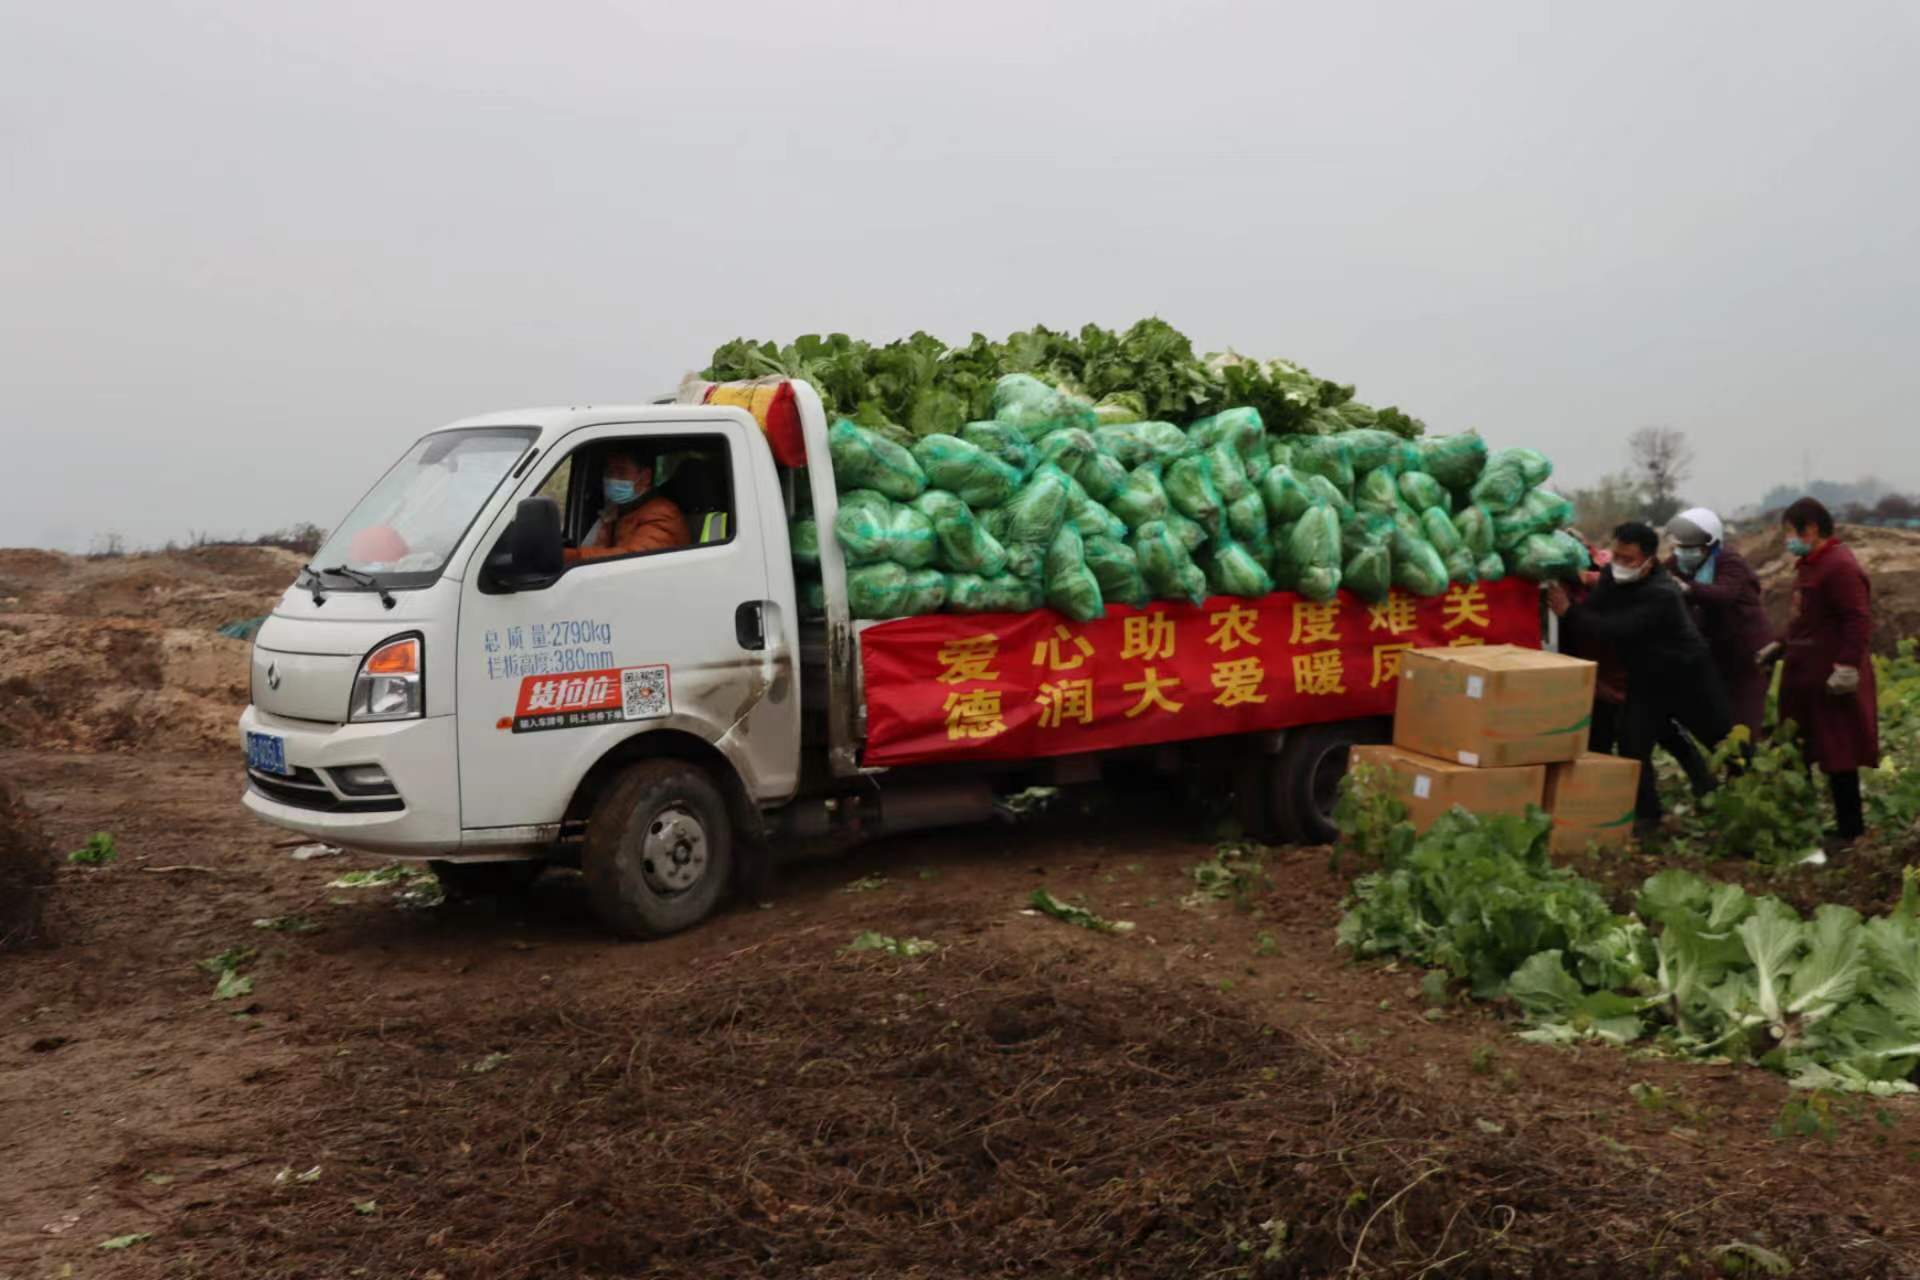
1011 686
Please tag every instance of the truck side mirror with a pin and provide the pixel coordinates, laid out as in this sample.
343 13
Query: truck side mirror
535 540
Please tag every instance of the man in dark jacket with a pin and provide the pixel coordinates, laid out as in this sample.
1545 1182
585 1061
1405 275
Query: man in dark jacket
1639 611
1724 595
1827 687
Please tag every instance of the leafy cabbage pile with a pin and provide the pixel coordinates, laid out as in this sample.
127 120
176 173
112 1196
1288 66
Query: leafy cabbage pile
1076 470
1698 968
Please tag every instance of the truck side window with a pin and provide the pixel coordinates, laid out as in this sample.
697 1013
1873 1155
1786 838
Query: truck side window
688 502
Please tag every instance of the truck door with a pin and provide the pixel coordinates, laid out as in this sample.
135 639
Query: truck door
690 638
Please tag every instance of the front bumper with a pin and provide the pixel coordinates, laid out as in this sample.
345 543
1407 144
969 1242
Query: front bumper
419 757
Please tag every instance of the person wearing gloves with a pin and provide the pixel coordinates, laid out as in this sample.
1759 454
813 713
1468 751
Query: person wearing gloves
1827 686
1639 612
1724 594
636 518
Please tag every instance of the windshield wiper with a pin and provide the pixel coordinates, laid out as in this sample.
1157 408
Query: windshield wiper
315 583
365 580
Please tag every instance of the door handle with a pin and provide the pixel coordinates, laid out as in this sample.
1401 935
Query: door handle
749 625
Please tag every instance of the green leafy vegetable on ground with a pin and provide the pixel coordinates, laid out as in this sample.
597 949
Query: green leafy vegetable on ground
1047 904
98 851
900 948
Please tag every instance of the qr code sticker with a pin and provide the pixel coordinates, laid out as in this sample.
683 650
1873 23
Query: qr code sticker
644 694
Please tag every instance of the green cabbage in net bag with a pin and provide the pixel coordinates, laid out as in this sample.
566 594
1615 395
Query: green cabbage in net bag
1379 492
1142 498
872 529
1417 567
1071 586
864 460
1088 516
1247 519
994 521
950 463
1101 475
1541 511
1461 566
1321 489
926 592
1490 567
1166 565
1229 472
1191 489
1475 524
1509 475
1437 526
1066 447
813 598
1003 442
1421 491
1138 443
964 546
803 536
1191 535
1455 461
1371 449
1544 556
1324 456
878 591
1023 401
1240 428
1279 453
1117 569
970 593
1026 561
1366 543
1120 407
1036 512
1233 570
1285 497
1313 550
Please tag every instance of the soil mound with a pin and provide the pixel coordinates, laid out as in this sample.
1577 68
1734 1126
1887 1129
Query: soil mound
26 871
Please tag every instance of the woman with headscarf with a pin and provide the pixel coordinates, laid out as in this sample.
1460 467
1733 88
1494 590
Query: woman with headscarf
1723 593
1827 687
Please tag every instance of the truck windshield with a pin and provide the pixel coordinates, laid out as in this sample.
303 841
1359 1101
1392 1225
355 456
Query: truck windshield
407 526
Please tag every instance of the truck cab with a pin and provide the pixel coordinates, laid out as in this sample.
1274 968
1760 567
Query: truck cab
453 679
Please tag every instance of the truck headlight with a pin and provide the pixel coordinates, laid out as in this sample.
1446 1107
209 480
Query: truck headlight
389 685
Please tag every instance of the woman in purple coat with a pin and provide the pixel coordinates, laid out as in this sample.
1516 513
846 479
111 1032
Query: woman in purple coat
1827 687
1723 594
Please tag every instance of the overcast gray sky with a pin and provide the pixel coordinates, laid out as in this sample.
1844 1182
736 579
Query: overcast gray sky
248 251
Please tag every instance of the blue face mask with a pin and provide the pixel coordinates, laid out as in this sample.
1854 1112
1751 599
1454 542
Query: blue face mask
619 492
1799 547
1690 558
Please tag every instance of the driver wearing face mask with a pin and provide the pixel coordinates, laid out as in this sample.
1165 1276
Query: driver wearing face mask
1639 610
635 520
1723 593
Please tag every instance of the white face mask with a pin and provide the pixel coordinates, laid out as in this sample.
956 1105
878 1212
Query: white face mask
1623 574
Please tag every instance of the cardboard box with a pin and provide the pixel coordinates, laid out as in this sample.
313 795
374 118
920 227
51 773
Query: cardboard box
1591 800
1429 787
1494 706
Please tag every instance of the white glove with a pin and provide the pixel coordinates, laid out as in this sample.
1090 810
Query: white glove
1768 654
1844 681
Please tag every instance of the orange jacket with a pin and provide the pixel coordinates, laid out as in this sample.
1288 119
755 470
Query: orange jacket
654 525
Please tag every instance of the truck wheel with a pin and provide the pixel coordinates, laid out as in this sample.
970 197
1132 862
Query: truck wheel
463 881
659 849
1307 773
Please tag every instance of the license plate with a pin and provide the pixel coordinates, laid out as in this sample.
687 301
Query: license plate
267 752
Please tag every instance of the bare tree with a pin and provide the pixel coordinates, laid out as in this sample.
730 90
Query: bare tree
1663 459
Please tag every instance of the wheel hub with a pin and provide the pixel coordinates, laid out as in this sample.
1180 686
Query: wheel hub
674 854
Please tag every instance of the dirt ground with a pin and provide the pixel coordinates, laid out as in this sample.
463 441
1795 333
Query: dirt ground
500 1090
123 653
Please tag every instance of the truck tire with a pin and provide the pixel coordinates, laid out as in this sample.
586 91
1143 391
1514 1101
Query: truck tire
1307 773
464 881
659 850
